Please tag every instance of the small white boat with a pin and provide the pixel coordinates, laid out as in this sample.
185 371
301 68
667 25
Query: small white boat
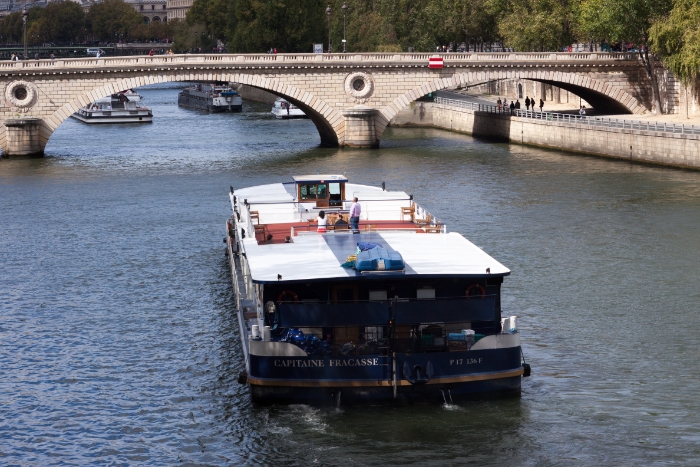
122 107
284 109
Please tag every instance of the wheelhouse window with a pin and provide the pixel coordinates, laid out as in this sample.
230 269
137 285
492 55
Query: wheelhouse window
313 191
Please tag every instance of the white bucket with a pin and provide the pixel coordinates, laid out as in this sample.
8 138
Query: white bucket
513 326
266 333
255 331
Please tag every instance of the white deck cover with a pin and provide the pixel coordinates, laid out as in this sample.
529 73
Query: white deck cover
310 257
376 204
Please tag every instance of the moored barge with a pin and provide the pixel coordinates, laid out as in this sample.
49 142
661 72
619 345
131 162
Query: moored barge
210 97
395 308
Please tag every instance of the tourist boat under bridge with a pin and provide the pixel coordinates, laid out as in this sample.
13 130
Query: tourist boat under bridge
393 309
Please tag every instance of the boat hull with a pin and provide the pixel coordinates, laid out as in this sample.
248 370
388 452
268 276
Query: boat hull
349 395
294 113
359 379
146 118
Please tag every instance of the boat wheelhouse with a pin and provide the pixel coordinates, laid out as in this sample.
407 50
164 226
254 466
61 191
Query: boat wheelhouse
399 309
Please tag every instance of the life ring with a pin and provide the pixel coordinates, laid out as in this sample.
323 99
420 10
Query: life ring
467 293
288 294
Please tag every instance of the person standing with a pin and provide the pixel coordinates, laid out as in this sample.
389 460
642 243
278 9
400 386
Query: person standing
498 104
355 210
512 107
322 222
517 104
527 102
541 104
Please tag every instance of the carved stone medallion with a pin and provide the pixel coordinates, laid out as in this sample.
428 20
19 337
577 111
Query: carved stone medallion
359 86
21 94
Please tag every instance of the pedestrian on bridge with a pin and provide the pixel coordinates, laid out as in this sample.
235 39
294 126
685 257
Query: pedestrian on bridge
517 104
512 107
541 104
527 103
498 104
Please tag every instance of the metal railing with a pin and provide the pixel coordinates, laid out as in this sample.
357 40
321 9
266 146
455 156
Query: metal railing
577 120
276 60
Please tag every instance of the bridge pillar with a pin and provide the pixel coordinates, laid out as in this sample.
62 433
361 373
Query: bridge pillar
23 137
359 127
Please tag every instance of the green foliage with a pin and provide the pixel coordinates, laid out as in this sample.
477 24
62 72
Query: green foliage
677 39
187 38
534 25
288 25
62 22
213 14
110 17
619 20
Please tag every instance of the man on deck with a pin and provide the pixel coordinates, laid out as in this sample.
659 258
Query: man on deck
355 210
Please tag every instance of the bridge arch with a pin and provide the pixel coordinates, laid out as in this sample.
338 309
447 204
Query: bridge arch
597 93
328 121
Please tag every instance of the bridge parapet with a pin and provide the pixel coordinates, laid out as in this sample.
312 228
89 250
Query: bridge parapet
515 59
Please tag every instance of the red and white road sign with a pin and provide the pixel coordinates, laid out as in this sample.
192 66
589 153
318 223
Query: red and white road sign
435 62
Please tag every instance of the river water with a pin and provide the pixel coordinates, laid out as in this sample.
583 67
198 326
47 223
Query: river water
119 345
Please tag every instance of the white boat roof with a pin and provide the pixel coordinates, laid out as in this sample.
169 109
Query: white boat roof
319 178
319 256
316 256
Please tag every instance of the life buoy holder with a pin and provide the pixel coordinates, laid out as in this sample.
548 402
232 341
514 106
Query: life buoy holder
468 292
288 294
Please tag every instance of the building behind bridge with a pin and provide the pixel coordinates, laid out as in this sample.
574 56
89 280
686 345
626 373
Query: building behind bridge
152 11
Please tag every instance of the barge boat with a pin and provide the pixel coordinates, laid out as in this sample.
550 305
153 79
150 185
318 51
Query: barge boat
397 308
210 97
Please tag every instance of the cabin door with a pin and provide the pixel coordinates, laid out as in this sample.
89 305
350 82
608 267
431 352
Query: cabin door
336 196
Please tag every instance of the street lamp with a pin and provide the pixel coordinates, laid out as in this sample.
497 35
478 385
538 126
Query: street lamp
345 10
328 14
194 48
24 21
203 33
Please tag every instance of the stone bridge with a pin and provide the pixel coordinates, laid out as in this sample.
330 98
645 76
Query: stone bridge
350 97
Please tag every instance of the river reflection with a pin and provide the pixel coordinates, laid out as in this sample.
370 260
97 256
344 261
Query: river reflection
120 347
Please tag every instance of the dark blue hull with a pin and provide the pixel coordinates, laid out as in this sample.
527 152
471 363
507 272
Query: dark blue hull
427 377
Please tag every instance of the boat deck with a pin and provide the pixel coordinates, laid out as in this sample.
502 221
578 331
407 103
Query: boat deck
279 232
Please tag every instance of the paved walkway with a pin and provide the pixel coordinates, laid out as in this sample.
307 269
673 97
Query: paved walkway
567 108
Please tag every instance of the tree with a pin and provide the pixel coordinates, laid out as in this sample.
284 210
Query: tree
112 17
62 22
212 14
536 25
676 38
625 21
288 25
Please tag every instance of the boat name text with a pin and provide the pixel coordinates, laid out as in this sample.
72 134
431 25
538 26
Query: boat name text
331 362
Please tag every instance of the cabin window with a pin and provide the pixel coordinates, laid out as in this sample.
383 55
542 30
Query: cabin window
425 293
307 191
376 295
313 191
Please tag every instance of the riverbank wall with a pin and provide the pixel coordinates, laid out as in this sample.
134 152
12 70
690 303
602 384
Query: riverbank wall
674 149
250 93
